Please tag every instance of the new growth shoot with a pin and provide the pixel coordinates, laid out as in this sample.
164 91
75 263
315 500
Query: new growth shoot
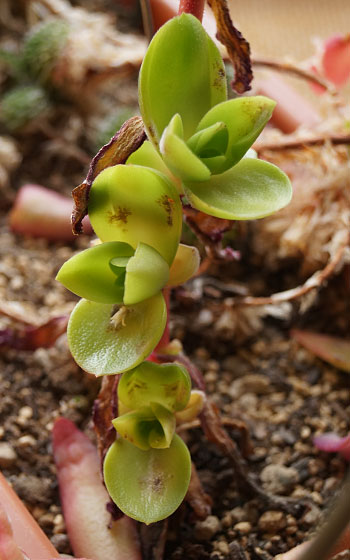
198 146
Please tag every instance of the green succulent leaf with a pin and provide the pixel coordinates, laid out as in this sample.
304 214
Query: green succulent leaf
251 189
244 118
147 485
113 272
178 156
103 342
211 141
185 265
147 156
131 203
152 426
146 274
166 384
90 275
183 73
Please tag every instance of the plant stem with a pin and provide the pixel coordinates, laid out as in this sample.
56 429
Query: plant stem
194 7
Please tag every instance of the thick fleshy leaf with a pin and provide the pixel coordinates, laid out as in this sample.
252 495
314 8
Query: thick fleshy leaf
193 408
185 265
147 427
178 156
183 73
210 141
251 189
147 485
244 118
131 203
335 351
146 274
147 156
166 384
102 344
89 274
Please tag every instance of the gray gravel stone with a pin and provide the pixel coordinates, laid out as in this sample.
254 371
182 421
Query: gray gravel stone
278 479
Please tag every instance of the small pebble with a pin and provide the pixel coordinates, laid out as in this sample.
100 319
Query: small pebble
272 521
26 441
205 530
279 479
312 516
61 543
244 527
8 455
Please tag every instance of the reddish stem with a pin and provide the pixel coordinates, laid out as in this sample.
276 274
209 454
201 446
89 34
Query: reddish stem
194 7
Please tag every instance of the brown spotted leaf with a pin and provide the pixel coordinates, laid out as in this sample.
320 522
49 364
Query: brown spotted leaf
126 141
237 47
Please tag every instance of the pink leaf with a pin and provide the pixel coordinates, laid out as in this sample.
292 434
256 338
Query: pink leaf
41 212
335 351
336 59
335 444
8 548
84 499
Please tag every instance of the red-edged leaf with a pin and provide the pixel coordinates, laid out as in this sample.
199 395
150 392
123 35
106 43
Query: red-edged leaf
335 351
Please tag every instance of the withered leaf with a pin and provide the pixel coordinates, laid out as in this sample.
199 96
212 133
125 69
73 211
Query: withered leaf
199 501
237 47
104 410
126 141
30 338
209 226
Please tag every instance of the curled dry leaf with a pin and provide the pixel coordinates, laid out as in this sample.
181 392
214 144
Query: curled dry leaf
30 338
237 47
126 141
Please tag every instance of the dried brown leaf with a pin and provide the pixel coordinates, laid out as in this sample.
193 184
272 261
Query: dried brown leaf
126 141
199 501
335 351
30 338
237 47
104 410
